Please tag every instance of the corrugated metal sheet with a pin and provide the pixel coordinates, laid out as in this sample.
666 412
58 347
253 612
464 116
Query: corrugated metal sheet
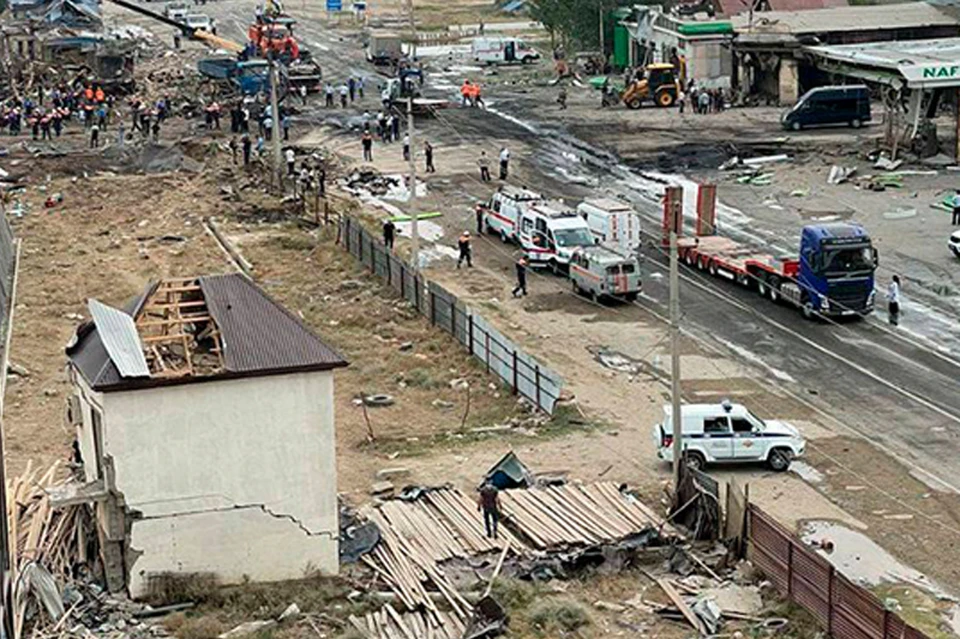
260 335
120 339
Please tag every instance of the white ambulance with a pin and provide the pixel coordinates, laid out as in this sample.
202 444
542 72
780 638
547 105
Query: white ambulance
550 233
501 215
725 432
502 50
615 224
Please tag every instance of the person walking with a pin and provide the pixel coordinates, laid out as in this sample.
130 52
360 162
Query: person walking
246 144
562 98
428 156
406 147
234 147
389 233
352 88
328 95
955 202
489 504
367 142
520 290
478 212
466 254
291 159
344 93
303 94
94 136
504 162
395 129
893 300
388 129
681 101
360 87
484 163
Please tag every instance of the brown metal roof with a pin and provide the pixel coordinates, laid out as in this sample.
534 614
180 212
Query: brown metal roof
260 337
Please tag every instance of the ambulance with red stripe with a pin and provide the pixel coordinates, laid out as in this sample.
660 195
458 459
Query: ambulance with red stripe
601 273
501 216
551 232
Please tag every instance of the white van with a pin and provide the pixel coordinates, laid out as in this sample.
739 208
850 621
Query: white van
615 224
502 214
550 233
502 50
718 433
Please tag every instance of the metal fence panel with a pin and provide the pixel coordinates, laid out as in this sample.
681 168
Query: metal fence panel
846 610
521 372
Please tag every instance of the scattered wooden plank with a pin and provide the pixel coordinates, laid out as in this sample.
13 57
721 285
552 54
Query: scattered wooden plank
681 605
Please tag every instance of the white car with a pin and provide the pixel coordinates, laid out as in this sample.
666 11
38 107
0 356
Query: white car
723 433
198 21
176 11
954 243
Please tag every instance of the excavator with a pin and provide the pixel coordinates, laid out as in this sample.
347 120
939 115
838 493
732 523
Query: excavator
655 83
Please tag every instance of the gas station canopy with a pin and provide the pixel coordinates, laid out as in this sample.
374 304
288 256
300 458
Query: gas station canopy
916 64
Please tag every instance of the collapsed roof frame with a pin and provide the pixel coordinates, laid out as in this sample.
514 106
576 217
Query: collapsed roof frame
172 323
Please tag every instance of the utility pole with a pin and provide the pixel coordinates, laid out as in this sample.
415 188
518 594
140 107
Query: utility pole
603 50
275 129
675 361
414 231
413 30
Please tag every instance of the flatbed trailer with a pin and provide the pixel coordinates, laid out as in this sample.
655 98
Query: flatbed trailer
833 274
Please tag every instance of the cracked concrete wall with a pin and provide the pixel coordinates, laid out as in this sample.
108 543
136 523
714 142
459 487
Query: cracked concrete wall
234 477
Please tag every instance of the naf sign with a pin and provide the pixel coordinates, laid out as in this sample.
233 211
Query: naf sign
942 74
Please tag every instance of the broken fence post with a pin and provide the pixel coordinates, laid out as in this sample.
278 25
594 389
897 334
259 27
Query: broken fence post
516 385
536 373
470 335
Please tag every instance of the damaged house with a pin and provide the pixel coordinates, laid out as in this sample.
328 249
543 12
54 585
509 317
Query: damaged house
205 430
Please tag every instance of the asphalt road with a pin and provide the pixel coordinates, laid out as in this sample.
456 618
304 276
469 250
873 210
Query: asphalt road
893 390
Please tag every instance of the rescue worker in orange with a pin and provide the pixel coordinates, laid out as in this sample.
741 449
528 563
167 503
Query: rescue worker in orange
99 95
466 92
475 96
88 94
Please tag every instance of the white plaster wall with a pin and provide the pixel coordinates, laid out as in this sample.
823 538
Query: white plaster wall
233 544
207 449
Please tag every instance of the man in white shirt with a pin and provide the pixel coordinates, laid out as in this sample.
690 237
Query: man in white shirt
291 158
504 162
893 300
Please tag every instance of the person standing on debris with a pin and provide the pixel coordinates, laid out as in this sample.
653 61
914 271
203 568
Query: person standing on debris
466 253
321 180
489 504
291 159
233 149
352 88
406 147
388 129
360 87
428 156
893 300
285 122
367 142
328 93
956 207
94 136
465 92
562 98
176 40
266 126
344 93
246 144
389 233
681 101
520 290
303 94
395 129
156 130
121 133
484 163
478 213
504 162
704 98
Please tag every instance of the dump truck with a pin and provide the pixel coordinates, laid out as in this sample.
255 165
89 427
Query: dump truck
246 77
833 275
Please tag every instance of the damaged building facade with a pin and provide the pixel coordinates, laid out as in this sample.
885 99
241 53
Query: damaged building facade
205 429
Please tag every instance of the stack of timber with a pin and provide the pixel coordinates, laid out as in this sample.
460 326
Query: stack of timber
47 545
387 623
574 515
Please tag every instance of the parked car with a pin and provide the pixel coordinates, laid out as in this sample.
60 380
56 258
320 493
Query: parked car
176 10
826 106
725 432
198 21
954 243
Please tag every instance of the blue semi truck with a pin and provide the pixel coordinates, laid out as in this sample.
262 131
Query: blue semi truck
833 275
